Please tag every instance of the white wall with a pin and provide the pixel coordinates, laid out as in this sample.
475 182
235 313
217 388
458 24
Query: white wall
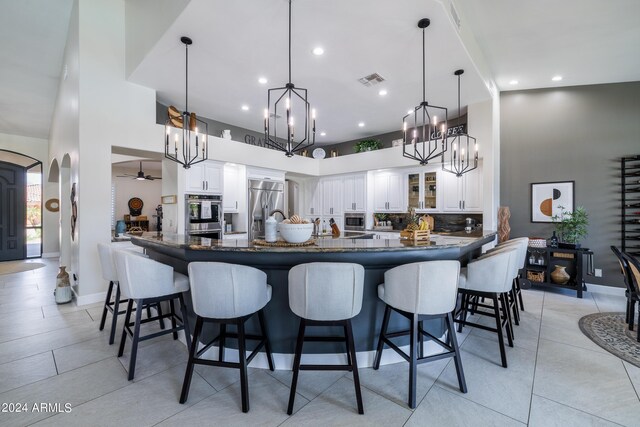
127 187
38 149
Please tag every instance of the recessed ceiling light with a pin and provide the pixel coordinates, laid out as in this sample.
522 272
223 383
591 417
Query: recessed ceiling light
361 124
513 82
262 80
556 78
318 51
382 92
245 108
323 134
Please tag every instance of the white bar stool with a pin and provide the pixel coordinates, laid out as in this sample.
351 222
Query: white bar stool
146 281
421 291
326 294
227 294
490 276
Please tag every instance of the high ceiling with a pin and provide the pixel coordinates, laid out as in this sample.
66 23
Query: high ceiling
235 43
33 34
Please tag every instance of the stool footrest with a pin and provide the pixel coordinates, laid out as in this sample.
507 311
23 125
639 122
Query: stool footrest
325 339
326 368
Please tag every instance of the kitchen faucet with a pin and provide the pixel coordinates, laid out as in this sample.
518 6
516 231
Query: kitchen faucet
278 211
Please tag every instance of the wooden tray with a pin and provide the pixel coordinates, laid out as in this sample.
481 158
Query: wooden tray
416 235
283 244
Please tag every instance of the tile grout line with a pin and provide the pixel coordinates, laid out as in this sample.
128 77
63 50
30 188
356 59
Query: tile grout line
54 362
577 409
535 363
629 376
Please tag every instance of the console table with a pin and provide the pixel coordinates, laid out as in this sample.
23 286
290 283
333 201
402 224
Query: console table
541 262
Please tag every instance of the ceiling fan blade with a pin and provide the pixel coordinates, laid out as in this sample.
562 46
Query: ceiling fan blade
151 178
124 176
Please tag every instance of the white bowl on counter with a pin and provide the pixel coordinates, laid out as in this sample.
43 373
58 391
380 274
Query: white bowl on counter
295 233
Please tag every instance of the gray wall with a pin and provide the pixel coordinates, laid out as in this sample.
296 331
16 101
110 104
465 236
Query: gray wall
570 134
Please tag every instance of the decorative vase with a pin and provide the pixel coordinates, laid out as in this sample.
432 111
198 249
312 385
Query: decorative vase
63 287
504 230
560 275
121 227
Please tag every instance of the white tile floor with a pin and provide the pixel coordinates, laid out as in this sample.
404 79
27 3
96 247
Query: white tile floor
556 376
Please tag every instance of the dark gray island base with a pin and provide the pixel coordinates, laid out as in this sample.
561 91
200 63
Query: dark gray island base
376 255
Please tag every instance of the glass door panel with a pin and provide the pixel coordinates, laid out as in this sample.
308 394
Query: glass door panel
414 190
429 201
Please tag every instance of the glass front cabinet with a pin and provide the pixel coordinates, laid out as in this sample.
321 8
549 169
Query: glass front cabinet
422 190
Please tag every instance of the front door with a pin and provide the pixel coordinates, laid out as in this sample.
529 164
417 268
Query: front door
12 211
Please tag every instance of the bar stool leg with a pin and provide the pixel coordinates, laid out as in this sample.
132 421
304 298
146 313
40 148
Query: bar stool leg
106 304
519 292
413 361
114 319
507 314
223 332
242 356
514 308
354 365
346 343
161 319
463 310
185 321
172 311
632 314
134 341
193 348
496 311
453 341
296 366
383 331
420 339
265 335
127 319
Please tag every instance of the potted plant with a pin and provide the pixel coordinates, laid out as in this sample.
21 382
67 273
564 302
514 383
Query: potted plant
571 226
367 145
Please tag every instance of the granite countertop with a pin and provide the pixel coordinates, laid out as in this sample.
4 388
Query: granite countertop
235 232
323 244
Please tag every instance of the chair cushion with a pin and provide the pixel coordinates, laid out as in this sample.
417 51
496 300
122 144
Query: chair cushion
181 282
462 280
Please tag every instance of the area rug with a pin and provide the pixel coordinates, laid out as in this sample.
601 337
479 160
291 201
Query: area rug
610 332
8 267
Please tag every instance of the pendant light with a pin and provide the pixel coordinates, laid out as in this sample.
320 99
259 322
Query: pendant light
463 155
421 139
183 142
290 103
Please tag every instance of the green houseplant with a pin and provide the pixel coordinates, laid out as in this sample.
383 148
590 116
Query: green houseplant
571 226
367 145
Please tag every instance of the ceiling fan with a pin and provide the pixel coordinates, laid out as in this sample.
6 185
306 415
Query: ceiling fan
140 176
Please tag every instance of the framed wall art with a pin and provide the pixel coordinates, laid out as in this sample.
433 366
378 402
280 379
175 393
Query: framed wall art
546 197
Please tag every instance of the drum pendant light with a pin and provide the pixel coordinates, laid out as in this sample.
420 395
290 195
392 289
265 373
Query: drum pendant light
463 155
185 135
421 139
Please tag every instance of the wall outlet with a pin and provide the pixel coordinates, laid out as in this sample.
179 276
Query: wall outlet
597 272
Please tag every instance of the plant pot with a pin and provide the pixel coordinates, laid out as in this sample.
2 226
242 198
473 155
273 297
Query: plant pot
563 245
560 275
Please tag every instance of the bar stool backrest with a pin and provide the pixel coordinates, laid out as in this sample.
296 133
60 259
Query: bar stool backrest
634 269
493 272
521 254
429 287
142 277
522 243
326 291
226 291
107 260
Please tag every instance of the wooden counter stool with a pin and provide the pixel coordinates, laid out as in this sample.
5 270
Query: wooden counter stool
146 282
490 277
227 294
631 293
326 294
421 291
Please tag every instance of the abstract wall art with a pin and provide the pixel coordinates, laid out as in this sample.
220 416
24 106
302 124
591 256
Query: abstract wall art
546 197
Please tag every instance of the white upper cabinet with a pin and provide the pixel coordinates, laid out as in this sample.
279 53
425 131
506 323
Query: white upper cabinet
332 196
389 192
462 194
355 192
313 197
234 189
205 178
422 190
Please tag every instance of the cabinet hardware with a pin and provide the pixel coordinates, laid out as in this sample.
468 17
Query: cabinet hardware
236 204
463 204
207 185
459 204
203 185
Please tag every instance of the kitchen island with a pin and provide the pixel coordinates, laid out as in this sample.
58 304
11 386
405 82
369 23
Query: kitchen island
376 255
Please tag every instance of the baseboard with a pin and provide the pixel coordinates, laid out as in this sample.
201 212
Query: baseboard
50 254
89 299
602 289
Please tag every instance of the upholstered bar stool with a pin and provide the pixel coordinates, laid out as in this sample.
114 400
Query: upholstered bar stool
109 273
515 296
490 277
227 294
145 281
421 291
326 294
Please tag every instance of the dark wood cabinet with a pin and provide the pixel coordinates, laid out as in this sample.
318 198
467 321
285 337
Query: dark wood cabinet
541 262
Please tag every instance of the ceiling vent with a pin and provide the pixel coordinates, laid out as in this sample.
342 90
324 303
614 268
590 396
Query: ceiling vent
371 79
455 16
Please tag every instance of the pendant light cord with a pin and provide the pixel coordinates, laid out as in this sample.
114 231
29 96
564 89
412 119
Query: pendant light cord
186 78
459 99
424 78
289 41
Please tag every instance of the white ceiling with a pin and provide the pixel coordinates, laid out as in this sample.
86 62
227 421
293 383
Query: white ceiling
584 41
33 34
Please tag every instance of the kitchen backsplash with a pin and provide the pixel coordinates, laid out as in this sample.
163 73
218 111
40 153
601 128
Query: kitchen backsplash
442 222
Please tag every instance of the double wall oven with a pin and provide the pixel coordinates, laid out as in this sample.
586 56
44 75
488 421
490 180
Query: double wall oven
203 216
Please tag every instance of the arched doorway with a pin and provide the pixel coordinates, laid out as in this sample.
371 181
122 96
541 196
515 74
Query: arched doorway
21 207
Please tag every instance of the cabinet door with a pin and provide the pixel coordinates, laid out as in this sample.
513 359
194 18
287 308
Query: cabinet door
451 187
195 180
381 184
327 196
313 198
429 190
348 187
360 193
414 188
473 191
395 193
213 177
336 197
231 194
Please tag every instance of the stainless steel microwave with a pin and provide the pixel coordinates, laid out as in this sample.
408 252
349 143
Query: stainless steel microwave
354 221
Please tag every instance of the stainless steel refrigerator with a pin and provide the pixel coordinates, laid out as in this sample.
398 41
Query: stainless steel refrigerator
264 197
